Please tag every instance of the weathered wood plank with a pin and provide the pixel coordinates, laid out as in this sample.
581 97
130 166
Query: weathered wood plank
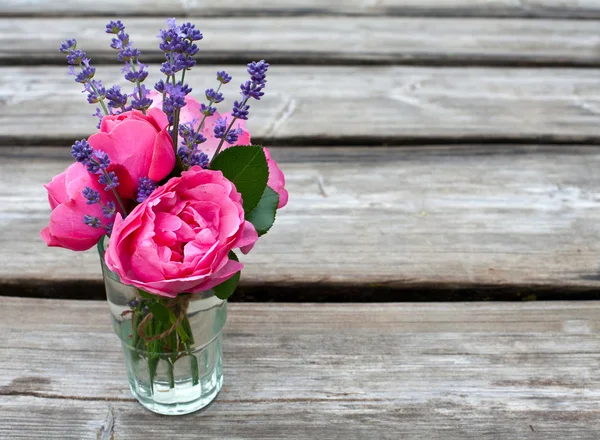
376 218
169 8
342 104
419 371
301 40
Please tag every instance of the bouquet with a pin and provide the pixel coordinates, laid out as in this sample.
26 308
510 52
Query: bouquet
171 187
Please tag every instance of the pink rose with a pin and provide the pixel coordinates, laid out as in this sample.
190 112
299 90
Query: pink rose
191 114
179 238
138 146
66 228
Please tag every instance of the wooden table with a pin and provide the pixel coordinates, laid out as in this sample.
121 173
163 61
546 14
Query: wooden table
434 151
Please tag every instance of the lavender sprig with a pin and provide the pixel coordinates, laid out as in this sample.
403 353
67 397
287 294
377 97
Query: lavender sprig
145 188
134 70
76 57
97 162
178 44
249 89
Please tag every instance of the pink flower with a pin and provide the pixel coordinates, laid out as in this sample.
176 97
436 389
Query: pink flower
66 228
179 238
138 146
191 114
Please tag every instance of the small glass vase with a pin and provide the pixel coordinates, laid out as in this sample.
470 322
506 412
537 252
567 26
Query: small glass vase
176 372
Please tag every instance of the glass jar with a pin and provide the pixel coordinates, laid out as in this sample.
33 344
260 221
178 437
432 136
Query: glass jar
174 363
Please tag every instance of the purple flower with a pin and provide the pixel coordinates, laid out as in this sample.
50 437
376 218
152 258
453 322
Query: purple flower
137 76
240 110
258 72
110 180
92 196
233 135
190 31
207 110
115 98
109 227
220 128
68 45
160 86
214 96
94 222
76 57
109 210
121 42
193 157
82 151
223 77
189 136
114 27
145 188
86 74
251 90
199 158
128 54
141 104
101 159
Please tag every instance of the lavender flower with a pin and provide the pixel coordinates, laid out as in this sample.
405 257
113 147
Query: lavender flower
193 157
67 46
142 103
109 227
220 127
75 56
251 90
232 135
92 196
110 180
109 209
86 74
189 136
214 97
92 221
115 98
98 162
258 72
240 110
175 99
223 77
114 27
145 188
207 110
82 151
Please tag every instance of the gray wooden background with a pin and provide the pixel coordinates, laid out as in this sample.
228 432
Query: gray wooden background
434 150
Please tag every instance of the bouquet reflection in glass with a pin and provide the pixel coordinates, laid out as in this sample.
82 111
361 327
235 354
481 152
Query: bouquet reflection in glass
167 188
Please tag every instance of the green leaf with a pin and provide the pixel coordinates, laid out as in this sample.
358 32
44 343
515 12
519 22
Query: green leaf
247 168
226 288
263 215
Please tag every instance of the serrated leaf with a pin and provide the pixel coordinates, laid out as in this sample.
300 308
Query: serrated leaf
226 288
247 168
263 215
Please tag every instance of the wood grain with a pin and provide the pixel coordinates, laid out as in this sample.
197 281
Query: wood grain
318 40
342 104
170 8
419 371
458 217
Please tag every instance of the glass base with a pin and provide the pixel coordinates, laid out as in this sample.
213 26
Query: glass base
181 387
185 398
